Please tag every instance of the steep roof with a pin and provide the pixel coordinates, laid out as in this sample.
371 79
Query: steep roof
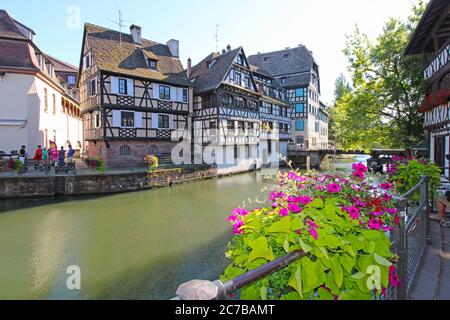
299 64
15 54
61 66
8 27
207 79
267 74
116 52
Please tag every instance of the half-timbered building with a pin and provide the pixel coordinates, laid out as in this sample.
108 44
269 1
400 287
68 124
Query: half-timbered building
432 40
135 96
275 112
226 117
298 72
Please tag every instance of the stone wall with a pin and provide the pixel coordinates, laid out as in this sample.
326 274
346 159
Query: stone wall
23 187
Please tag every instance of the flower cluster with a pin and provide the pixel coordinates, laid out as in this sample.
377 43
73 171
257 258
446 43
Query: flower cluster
151 161
336 219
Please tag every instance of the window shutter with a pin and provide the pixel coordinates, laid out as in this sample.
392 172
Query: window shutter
130 87
171 124
89 88
114 85
154 121
156 91
117 118
138 119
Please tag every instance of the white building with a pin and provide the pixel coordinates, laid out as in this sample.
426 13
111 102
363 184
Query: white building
36 102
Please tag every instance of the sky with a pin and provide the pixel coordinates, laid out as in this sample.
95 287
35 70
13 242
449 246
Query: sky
257 25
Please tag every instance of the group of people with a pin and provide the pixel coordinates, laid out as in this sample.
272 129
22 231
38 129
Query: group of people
48 155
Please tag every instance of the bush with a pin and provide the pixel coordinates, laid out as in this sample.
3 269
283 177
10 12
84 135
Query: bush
406 173
96 164
341 223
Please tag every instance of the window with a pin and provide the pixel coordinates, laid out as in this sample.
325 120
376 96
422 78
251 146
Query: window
299 92
300 140
87 60
317 126
211 63
252 105
125 151
163 121
230 125
283 80
270 108
45 100
152 64
92 87
241 125
123 89
227 99
250 126
240 102
212 124
71 80
236 152
247 81
299 125
127 119
269 147
299 107
286 56
237 78
97 120
54 105
266 59
185 95
164 92
240 60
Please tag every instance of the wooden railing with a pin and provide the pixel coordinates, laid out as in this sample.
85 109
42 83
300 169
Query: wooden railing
438 62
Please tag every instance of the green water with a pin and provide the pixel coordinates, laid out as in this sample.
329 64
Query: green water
138 245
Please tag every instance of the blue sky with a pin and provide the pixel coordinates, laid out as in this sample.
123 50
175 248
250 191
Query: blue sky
257 25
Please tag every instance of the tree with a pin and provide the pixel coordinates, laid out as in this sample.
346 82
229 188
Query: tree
382 108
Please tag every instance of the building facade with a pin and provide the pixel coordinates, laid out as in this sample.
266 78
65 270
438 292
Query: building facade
432 40
35 104
235 124
135 96
298 73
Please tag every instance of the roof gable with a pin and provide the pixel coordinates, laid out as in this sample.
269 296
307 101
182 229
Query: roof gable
117 53
8 27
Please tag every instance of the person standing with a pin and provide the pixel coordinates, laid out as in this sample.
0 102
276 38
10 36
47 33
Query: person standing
70 154
45 155
61 156
23 154
38 154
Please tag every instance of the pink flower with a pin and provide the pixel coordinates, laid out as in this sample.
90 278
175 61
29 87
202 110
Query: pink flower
358 175
391 210
293 199
376 213
312 224
358 202
232 218
314 233
298 232
294 207
386 186
387 197
394 280
397 220
359 168
284 212
334 188
276 195
375 224
240 211
305 200
237 227
353 212
275 204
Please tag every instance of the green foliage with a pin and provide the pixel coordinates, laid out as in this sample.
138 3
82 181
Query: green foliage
408 173
382 108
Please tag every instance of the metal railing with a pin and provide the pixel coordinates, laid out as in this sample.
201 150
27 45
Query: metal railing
408 242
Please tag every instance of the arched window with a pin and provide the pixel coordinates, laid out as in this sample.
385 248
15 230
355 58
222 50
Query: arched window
227 99
240 102
252 105
125 151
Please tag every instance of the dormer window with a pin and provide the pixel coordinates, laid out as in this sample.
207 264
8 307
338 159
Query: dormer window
266 59
286 56
283 80
211 63
152 64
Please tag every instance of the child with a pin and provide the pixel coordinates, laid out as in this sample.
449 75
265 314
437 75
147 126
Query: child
38 154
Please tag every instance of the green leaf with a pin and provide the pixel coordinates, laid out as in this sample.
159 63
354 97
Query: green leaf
358 276
383 249
381 261
324 294
286 244
331 284
291 296
282 226
313 275
316 203
305 247
263 292
347 262
264 254
296 281
250 293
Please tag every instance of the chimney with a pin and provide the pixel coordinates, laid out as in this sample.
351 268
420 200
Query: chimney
136 34
174 47
228 48
189 68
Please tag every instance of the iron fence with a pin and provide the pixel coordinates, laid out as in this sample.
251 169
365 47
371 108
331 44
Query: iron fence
408 242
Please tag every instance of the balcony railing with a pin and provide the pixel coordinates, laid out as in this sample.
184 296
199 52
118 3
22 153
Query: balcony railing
438 62
68 89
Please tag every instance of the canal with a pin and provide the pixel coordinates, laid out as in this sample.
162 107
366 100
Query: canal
139 245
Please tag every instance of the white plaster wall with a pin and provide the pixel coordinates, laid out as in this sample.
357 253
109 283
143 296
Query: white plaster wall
22 98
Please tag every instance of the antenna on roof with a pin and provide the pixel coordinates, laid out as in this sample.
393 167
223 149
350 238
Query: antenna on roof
119 22
217 37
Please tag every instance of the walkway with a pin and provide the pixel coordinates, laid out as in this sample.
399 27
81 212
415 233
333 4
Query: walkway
433 279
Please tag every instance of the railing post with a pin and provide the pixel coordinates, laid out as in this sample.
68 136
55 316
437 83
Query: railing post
402 252
426 190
